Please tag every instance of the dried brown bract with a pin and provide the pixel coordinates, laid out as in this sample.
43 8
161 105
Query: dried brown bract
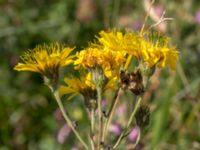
132 81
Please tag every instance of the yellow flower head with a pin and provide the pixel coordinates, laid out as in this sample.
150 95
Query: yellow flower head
127 42
80 86
109 61
151 47
155 50
83 86
45 59
77 86
112 40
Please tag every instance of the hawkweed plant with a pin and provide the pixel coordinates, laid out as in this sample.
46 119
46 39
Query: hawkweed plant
104 65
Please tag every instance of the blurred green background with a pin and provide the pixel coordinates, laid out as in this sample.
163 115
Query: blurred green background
29 117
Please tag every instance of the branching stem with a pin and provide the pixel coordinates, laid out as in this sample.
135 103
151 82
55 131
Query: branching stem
129 122
111 113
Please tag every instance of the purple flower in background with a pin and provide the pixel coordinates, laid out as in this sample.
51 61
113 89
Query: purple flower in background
103 104
63 133
158 10
137 26
115 129
197 17
58 115
121 110
133 136
13 60
74 148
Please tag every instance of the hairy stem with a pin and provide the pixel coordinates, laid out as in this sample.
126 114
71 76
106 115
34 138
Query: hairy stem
92 121
67 119
99 94
146 17
111 113
92 132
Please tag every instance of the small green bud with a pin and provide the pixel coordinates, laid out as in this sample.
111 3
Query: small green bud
98 77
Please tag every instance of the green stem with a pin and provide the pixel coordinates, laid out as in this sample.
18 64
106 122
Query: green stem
146 17
115 12
137 141
92 129
99 94
128 61
92 143
111 113
92 121
128 123
67 119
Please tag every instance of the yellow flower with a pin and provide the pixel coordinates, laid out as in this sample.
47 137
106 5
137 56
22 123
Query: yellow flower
112 40
110 84
77 86
151 47
80 86
46 59
121 42
83 86
155 50
97 56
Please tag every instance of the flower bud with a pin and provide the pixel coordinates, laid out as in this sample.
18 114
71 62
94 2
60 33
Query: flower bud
98 77
132 81
142 116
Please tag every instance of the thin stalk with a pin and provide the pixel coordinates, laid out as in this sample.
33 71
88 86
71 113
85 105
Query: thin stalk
67 119
128 61
146 17
92 129
92 143
141 32
115 12
99 94
137 141
128 123
92 121
111 113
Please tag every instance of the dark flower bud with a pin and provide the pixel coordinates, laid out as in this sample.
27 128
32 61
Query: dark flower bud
142 116
135 83
90 98
91 103
132 81
124 79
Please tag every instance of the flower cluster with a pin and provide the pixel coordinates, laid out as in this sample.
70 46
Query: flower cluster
150 47
109 52
103 65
